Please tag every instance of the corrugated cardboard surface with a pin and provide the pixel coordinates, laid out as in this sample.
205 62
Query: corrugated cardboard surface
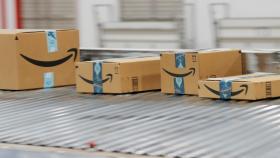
252 88
16 73
128 75
206 63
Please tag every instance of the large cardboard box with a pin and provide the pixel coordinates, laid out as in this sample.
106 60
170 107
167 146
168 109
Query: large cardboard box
33 59
118 75
245 87
181 71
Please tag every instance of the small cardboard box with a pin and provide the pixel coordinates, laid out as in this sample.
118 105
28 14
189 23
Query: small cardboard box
33 59
122 75
181 71
245 87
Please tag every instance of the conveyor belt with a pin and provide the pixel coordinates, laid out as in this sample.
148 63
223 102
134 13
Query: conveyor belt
146 123
15 153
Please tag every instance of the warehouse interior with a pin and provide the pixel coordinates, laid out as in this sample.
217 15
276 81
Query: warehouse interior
168 24
56 116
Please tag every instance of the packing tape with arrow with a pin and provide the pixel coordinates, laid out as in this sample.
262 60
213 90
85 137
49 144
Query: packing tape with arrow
180 63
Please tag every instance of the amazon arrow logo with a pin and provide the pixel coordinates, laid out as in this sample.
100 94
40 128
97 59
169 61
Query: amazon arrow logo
244 88
192 71
109 78
73 51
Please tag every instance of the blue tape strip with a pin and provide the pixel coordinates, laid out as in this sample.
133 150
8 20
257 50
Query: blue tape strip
180 60
179 84
51 41
97 77
225 89
48 80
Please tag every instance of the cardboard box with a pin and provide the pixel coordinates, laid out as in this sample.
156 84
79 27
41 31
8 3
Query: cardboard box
33 59
181 71
245 87
124 75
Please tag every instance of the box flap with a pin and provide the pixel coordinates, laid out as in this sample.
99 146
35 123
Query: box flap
255 77
92 61
16 31
267 78
201 50
218 50
180 51
133 59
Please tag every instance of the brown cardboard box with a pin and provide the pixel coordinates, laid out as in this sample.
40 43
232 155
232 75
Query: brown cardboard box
33 59
118 75
245 87
181 71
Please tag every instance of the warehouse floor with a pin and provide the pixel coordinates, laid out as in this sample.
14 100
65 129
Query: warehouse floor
149 124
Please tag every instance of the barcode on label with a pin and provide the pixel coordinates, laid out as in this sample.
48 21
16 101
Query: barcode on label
268 88
135 83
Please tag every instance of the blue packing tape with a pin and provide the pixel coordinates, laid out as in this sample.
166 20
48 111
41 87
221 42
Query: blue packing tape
179 84
48 79
225 89
180 60
51 41
97 77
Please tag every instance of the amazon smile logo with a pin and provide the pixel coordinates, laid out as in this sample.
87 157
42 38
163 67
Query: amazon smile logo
191 72
73 51
244 88
109 78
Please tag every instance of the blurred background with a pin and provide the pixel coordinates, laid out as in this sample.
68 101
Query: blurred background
153 23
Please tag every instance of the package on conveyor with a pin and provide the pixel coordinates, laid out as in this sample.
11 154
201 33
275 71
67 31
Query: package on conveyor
33 59
181 71
119 75
244 87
